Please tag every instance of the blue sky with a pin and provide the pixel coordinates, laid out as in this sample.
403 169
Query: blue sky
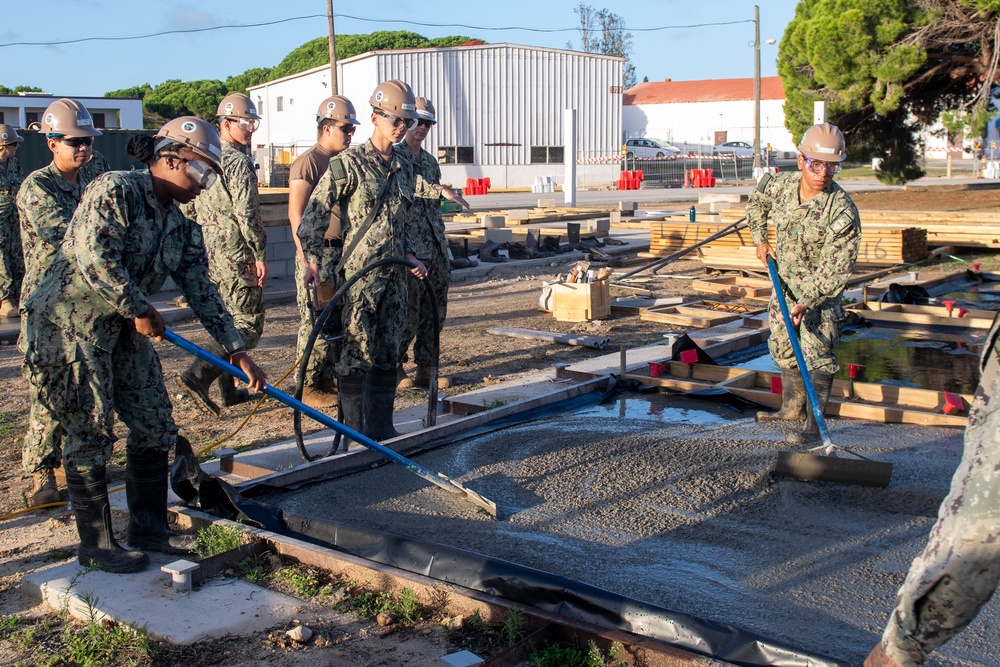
92 68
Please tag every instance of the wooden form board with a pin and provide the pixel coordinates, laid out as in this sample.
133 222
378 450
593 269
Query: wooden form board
895 314
871 401
750 288
534 215
699 314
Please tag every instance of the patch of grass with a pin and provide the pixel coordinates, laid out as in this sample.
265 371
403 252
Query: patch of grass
560 655
107 643
305 581
218 538
402 605
256 569
493 404
503 635
57 555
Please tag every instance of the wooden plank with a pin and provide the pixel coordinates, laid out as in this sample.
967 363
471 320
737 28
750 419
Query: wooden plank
892 316
750 288
595 342
686 316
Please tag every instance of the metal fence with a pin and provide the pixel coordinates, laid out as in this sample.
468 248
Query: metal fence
670 172
34 153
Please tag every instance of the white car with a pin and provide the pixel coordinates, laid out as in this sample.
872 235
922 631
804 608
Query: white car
737 148
649 148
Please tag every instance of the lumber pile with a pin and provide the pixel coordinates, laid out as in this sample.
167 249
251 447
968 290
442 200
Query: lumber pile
555 214
880 245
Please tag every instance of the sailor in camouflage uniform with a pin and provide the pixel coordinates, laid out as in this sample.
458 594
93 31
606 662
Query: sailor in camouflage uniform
817 233
229 216
88 327
97 165
11 260
336 121
46 203
375 179
958 570
431 248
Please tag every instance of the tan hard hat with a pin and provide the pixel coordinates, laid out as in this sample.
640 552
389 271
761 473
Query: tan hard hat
237 105
824 142
196 134
337 107
9 135
395 97
425 109
68 118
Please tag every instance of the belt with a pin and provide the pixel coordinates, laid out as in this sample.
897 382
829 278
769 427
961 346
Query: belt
333 243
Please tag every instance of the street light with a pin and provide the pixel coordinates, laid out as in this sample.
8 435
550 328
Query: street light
756 89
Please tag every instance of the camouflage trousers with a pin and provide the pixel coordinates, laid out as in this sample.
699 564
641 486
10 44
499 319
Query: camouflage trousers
42 446
374 319
322 360
83 386
419 316
11 259
818 332
244 301
958 570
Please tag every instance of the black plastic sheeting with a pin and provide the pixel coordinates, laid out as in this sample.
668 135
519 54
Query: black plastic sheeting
552 593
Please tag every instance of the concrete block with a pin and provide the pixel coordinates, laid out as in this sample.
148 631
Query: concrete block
627 206
600 226
546 203
492 221
499 235
710 197
462 659
517 214
616 216
720 206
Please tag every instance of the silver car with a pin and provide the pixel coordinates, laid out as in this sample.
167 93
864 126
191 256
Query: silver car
649 148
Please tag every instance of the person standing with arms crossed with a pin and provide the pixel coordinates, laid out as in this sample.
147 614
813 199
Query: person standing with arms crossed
818 232
379 186
229 216
336 121
46 203
89 326
11 258
431 249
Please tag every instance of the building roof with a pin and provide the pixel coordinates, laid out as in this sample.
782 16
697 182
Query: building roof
706 90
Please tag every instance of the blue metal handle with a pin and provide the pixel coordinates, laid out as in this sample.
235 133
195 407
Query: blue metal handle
793 338
435 478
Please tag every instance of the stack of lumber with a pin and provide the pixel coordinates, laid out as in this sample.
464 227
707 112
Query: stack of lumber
534 215
880 245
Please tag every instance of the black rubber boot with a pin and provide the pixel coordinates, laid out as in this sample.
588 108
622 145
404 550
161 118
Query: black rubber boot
88 493
196 381
146 490
793 398
379 397
351 394
822 383
230 393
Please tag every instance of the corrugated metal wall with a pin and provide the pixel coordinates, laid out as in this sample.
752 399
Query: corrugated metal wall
34 153
503 99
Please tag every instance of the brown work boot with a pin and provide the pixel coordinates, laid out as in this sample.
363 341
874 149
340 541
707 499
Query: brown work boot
45 490
315 397
423 378
8 309
878 658
403 381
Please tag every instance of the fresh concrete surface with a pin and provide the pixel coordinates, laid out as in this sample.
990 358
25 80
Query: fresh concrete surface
146 600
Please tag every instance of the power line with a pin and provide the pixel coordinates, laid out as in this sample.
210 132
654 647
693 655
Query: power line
232 26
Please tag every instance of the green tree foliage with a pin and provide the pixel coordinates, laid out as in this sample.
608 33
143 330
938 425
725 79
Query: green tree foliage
252 77
132 91
174 98
4 90
603 31
889 69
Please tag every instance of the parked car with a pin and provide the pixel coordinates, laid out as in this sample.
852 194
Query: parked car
649 148
737 148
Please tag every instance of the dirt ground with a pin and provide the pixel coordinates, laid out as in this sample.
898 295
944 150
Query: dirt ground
470 357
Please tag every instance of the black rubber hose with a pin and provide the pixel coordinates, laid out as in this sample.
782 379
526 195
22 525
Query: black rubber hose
321 322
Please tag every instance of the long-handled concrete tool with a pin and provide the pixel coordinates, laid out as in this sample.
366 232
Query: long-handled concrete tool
827 466
435 478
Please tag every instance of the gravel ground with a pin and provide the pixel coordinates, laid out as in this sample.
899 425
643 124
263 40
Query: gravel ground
666 503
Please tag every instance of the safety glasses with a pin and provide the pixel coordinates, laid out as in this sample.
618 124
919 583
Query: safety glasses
396 120
76 142
423 122
200 173
248 124
818 167
347 129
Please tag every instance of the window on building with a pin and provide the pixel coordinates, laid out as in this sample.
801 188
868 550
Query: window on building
98 120
546 154
455 154
30 117
280 103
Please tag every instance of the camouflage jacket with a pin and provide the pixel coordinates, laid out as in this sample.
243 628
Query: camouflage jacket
119 249
816 242
10 181
46 204
425 215
357 175
229 215
96 165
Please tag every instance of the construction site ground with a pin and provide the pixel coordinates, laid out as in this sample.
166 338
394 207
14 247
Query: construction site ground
506 296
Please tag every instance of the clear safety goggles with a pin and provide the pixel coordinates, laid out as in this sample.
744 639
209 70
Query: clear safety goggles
818 167
396 121
248 124
201 173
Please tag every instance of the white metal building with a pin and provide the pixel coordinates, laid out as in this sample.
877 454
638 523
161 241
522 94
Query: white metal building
693 114
500 109
23 109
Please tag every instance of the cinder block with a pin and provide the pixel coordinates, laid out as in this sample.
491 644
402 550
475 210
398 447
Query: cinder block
616 216
600 226
719 206
627 206
517 214
492 221
499 235
546 203
709 197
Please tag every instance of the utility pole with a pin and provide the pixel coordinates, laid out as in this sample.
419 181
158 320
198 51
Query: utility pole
334 86
756 90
